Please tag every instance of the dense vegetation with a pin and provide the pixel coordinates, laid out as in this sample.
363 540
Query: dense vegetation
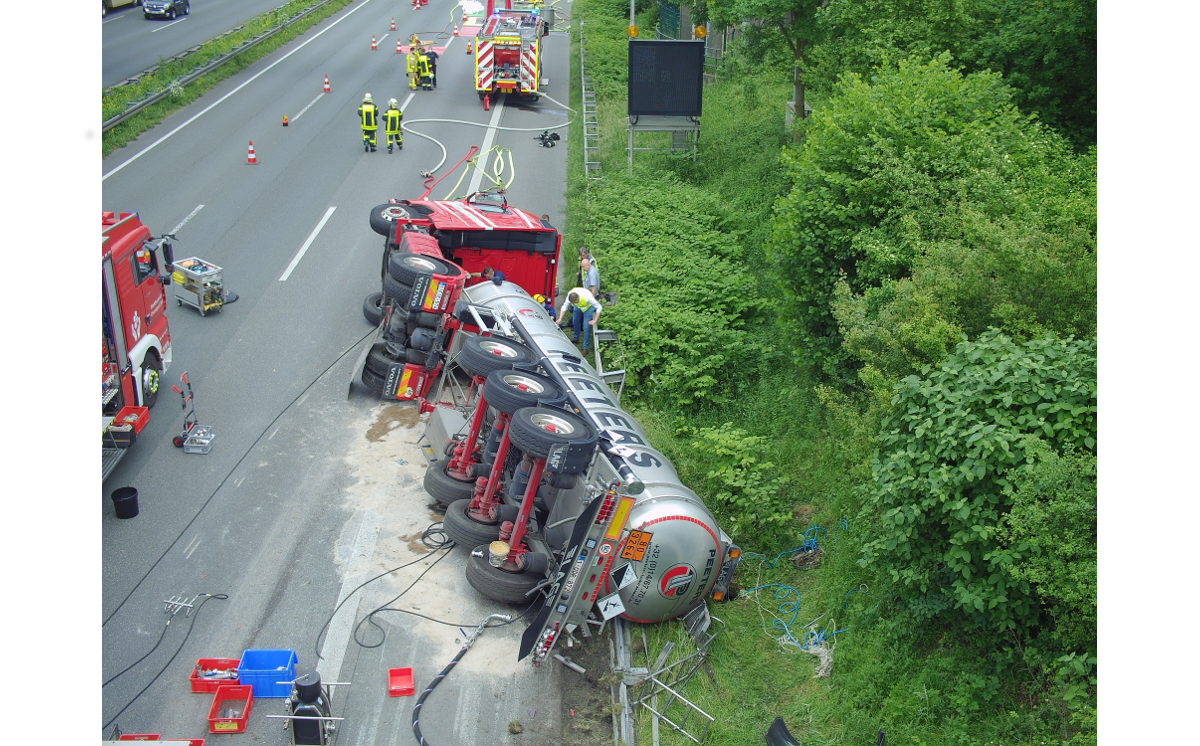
881 322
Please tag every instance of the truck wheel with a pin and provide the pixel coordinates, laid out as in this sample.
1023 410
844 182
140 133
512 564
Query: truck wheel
465 530
498 584
445 489
510 390
373 308
481 356
406 268
373 381
397 291
378 361
384 217
151 378
535 430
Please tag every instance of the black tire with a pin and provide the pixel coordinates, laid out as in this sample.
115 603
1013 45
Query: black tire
529 433
510 390
378 361
445 489
481 356
466 531
177 441
104 14
172 16
500 585
187 8
397 291
151 379
373 308
373 381
383 217
406 268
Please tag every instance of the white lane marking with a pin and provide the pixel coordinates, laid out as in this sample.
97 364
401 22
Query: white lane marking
239 482
381 39
302 399
213 105
110 20
190 215
311 237
191 547
310 103
404 105
340 629
272 435
477 177
169 25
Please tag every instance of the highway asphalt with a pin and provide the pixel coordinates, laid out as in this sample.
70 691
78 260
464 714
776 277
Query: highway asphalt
132 42
306 492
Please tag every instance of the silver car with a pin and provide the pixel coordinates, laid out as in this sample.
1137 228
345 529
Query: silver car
165 8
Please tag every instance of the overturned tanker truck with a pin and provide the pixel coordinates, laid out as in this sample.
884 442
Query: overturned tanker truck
553 489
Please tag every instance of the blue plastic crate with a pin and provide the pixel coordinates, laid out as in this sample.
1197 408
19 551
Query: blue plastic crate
261 669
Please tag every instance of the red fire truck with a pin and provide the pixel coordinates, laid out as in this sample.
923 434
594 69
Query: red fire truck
137 340
508 49
431 248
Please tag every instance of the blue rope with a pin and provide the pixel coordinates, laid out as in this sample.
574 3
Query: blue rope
808 546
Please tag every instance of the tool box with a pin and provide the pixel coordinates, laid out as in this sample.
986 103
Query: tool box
210 673
199 284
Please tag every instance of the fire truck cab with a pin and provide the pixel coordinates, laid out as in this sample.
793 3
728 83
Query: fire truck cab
137 340
508 49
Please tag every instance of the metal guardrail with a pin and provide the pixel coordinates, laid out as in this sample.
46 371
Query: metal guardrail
135 106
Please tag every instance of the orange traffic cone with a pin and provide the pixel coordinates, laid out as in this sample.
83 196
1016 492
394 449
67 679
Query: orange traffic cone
393 23
398 49
250 159
456 29
285 120
373 47
326 90
468 47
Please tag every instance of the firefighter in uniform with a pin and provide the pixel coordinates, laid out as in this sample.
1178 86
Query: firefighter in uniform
391 125
413 66
425 71
369 115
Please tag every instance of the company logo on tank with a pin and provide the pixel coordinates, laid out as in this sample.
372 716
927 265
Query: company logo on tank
675 581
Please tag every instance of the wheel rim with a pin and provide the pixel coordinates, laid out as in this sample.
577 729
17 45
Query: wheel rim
150 381
523 383
552 423
495 348
419 262
394 213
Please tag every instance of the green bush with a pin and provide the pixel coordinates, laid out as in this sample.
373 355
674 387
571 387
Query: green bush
949 462
739 478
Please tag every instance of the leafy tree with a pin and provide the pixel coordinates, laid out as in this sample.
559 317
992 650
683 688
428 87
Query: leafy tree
792 22
950 462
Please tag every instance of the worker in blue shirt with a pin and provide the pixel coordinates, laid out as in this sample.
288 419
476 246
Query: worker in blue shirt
488 273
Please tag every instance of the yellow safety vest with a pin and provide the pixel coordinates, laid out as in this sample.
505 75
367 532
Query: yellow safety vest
391 120
426 70
368 113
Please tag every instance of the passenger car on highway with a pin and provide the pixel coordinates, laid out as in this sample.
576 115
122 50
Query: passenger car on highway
165 8
110 4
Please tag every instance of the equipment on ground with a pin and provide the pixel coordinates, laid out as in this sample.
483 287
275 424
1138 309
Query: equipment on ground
547 139
309 711
192 438
508 49
199 284
137 340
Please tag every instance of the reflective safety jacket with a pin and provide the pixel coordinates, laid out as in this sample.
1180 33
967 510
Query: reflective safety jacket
391 121
369 115
426 70
412 62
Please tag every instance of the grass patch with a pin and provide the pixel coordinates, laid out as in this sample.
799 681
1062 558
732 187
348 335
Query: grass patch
115 99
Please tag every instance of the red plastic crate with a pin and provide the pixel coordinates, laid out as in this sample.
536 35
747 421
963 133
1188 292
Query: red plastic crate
238 697
208 686
137 416
138 737
400 682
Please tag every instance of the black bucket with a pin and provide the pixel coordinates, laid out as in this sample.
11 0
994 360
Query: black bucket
125 502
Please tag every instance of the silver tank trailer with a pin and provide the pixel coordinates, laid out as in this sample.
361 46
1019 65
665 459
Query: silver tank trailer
671 540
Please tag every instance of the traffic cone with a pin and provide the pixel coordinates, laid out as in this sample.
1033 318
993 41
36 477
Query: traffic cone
469 47
393 23
250 159
285 120
373 47
398 49
456 29
326 90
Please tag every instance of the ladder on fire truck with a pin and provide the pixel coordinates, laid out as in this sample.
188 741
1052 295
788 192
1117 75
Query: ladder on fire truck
591 125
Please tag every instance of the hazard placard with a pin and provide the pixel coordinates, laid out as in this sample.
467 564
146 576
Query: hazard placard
623 576
636 544
611 606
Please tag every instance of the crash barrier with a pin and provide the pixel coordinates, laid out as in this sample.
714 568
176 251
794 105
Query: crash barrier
133 107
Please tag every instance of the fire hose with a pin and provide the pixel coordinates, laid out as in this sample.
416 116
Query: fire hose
504 619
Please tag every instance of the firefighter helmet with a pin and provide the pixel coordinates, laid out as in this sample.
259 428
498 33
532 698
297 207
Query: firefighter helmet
539 298
367 98
392 103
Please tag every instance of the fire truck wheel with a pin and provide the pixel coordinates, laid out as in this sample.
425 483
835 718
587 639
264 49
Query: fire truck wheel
535 430
445 489
497 584
482 355
510 390
406 268
466 531
373 381
373 308
151 378
378 360
397 291
383 217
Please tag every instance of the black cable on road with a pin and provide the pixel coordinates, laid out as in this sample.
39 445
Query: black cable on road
228 475
207 596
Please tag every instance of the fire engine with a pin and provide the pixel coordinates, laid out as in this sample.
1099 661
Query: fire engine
508 49
137 339
430 249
